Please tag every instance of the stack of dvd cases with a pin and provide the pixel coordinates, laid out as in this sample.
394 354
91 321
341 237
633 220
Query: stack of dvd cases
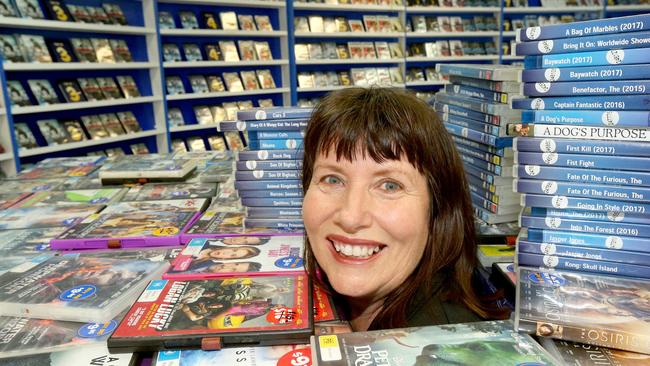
267 176
582 162
474 108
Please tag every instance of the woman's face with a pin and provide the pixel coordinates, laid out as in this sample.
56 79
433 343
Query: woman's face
367 223
228 253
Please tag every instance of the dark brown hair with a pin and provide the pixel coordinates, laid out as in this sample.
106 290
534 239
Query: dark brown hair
390 124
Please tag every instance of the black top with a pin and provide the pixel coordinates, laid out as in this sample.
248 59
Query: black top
433 310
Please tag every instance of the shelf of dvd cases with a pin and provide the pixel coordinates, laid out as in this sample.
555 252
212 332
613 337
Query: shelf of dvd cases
551 9
238 3
446 9
195 127
350 61
426 83
55 25
452 58
62 66
82 144
220 33
189 96
82 105
627 8
339 87
347 7
349 35
451 34
198 64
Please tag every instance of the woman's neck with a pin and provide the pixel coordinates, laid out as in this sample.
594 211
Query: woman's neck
362 313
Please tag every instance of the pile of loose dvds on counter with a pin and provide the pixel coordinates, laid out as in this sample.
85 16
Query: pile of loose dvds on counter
582 164
475 111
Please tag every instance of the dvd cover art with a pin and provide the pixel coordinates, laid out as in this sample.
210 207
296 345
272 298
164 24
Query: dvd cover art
113 230
95 127
52 131
10 199
192 52
112 124
324 310
10 50
56 172
109 88
103 50
213 52
481 343
43 91
230 256
74 288
32 185
266 310
17 93
71 91
151 166
188 20
189 205
48 216
27 242
128 86
209 20
171 53
74 197
601 310
221 224
174 85
29 9
8 9
196 143
129 121
83 49
90 89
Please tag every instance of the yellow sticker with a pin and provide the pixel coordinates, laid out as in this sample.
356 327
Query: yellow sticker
328 341
165 231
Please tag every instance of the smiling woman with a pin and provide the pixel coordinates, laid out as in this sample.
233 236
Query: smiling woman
389 222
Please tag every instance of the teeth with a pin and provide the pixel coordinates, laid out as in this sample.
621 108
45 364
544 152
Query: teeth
355 250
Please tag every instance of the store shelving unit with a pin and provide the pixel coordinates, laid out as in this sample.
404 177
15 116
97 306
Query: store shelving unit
279 65
349 12
142 39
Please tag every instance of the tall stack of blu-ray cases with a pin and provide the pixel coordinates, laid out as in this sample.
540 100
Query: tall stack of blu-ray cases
582 163
475 111
268 175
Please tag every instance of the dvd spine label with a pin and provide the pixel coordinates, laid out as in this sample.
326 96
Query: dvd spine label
592 118
608 102
587 146
580 203
593 176
598 191
583 161
589 240
612 87
638 134
586 265
591 227
586 73
634 23
269 155
583 44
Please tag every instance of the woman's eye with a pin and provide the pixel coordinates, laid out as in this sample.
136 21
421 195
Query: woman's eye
330 179
390 186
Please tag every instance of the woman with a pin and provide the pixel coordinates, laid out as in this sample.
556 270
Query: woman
387 212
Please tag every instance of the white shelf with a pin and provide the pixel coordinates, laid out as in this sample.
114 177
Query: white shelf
510 34
81 105
239 3
346 7
226 94
349 35
349 61
6 156
10 22
427 83
86 143
512 58
441 9
339 87
631 8
453 58
551 9
193 127
59 66
188 64
451 34
220 33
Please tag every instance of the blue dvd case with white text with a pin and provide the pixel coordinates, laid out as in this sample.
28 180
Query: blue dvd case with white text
610 216
595 118
605 102
274 113
584 44
477 71
473 124
612 60
583 161
585 226
271 193
595 176
632 23
267 175
471 114
485 138
583 265
586 88
604 241
573 251
473 92
281 144
621 193
267 135
269 165
270 212
272 202
570 146
268 184
475 104
502 152
270 155
582 203
271 125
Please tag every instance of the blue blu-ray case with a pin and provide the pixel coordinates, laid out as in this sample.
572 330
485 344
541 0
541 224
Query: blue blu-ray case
272 125
574 146
604 102
574 251
269 164
580 161
583 265
473 124
632 23
268 184
271 193
268 175
594 118
584 44
604 241
272 202
582 175
584 203
600 191
587 88
274 113
269 155
585 226
587 73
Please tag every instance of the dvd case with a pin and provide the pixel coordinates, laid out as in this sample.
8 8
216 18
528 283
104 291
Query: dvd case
230 256
604 241
480 343
582 175
485 72
584 146
74 288
164 191
248 356
549 131
584 44
215 313
597 118
580 354
624 163
47 216
607 311
606 102
633 23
